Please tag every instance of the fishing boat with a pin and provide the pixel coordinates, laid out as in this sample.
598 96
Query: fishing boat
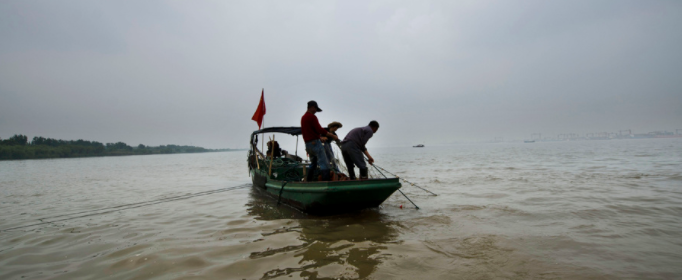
418 146
283 179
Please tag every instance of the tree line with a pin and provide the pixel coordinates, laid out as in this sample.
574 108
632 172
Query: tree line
18 147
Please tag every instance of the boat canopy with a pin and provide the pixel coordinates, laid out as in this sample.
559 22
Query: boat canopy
293 130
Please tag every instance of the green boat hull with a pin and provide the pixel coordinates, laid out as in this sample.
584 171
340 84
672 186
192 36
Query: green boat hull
326 197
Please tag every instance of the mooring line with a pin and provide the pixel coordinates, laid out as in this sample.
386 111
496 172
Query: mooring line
144 202
125 207
280 191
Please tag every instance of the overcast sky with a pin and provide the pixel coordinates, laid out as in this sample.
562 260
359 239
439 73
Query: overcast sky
435 72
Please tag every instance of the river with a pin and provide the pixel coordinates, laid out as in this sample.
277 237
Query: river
546 210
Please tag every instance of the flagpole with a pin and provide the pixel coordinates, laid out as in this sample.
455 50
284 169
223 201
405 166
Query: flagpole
262 136
259 117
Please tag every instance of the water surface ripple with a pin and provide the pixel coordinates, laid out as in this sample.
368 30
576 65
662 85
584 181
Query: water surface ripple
567 210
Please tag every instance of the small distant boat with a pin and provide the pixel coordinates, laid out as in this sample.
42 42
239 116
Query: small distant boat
528 141
282 179
418 146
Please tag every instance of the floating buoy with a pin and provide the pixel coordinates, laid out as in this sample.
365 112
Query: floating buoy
401 206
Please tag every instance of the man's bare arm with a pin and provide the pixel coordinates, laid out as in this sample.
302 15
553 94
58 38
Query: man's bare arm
370 159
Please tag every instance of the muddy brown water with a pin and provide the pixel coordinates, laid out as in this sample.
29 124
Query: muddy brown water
565 210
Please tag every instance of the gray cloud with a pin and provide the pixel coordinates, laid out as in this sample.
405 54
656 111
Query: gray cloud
160 72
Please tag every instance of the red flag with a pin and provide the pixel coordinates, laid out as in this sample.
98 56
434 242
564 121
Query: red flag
260 112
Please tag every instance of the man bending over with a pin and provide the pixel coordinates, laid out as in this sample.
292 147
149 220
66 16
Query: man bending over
353 147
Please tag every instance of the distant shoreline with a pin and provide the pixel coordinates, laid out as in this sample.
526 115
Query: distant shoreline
18 147
123 155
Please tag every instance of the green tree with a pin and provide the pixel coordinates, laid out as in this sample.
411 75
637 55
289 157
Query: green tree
17 139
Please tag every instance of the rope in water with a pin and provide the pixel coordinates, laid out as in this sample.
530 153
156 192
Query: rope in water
408 199
124 207
412 184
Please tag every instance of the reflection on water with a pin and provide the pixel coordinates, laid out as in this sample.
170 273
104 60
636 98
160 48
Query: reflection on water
348 246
